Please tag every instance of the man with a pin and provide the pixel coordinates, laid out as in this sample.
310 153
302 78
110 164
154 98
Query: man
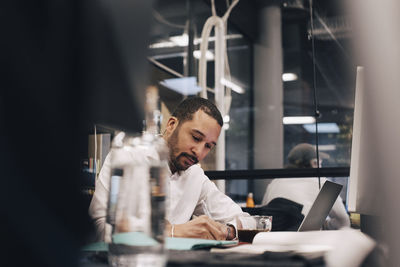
191 133
305 190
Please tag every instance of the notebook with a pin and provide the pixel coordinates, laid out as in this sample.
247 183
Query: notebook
176 243
321 207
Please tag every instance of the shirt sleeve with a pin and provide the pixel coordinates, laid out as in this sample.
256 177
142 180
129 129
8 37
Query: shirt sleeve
98 205
221 207
338 216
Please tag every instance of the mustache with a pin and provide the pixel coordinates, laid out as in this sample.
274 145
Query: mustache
193 158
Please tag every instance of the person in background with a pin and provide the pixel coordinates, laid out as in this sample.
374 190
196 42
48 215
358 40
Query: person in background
305 190
191 133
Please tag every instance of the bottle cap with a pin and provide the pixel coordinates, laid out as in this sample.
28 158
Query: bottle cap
117 172
250 195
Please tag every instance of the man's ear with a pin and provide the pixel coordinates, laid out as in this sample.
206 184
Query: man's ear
313 163
171 125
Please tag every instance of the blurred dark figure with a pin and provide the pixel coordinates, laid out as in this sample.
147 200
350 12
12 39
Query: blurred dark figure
304 156
64 65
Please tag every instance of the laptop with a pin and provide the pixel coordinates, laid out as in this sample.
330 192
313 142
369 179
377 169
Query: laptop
321 207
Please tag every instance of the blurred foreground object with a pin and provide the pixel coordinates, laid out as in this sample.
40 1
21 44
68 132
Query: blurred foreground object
141 200
377 49
65 65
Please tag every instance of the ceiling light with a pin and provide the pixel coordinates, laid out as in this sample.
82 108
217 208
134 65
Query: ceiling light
209 55
326 147
180 40
323 127
184 85
162 45
212 38
233 86
183 40
288 77
298 120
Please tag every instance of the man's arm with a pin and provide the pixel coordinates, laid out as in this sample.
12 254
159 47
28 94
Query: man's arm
338 216
200 227
98 205
223 209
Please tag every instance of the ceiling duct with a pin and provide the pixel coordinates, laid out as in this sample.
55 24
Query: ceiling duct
333 28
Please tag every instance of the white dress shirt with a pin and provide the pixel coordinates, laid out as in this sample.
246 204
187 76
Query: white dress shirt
191 193
304 191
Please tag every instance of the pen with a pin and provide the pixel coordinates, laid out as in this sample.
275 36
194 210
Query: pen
208 214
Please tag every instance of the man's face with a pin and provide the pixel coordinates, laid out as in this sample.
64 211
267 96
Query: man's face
190 142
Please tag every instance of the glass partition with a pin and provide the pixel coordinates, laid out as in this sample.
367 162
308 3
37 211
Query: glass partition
315 85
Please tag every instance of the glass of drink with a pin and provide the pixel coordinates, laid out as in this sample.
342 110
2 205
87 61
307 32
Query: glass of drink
263 224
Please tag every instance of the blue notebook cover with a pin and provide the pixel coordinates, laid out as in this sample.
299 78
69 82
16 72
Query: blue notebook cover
141 239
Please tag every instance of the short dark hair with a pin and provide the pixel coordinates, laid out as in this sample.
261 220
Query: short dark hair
301 155
191 105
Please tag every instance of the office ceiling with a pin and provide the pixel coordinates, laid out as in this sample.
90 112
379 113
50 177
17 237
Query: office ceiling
334 68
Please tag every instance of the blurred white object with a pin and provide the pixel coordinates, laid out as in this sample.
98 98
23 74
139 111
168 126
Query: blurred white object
339 248
377 47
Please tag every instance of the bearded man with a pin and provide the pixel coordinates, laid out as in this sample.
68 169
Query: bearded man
197 209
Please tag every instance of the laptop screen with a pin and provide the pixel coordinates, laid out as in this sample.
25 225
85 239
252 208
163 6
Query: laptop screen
321 207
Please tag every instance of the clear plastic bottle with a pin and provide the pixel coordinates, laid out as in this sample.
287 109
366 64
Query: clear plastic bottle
141 209
115 181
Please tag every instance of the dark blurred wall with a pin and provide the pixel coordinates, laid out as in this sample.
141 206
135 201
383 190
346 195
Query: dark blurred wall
64 65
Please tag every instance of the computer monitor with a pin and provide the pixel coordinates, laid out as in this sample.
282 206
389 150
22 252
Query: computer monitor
362 183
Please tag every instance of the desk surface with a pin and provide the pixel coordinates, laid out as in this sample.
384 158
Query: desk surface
205 258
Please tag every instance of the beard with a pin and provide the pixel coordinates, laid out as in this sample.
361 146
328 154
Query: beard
177 158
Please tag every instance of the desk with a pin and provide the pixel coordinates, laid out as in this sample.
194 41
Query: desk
204 258
346 247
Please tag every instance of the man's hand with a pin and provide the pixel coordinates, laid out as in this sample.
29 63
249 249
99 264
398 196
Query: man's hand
201 227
